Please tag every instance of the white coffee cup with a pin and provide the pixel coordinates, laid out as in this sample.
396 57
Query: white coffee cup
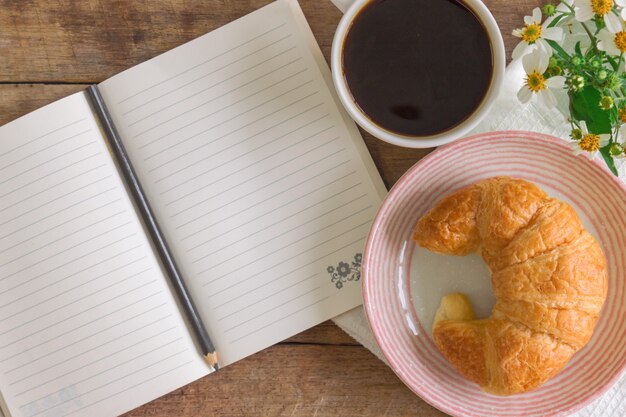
351 9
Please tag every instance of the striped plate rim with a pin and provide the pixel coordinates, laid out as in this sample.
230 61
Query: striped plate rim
542 159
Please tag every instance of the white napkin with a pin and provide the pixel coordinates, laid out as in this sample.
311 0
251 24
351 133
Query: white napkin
342 5
507 114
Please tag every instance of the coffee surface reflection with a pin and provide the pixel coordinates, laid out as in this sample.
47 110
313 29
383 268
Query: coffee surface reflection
417 67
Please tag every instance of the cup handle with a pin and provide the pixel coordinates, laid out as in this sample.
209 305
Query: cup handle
343 5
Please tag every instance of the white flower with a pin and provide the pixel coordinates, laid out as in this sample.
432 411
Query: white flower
564 5
612 43
533 34
621 169
590 143
622 131
535 65
586 10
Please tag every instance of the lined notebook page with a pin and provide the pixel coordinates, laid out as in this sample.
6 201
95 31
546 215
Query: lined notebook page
263 187
88 326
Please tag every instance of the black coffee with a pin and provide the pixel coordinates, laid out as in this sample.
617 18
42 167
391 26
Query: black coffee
417 67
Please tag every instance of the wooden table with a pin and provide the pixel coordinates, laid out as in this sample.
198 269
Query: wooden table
51 48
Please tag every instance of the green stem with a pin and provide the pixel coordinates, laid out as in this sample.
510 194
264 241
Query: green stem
559 50
558 17
591 37
563 2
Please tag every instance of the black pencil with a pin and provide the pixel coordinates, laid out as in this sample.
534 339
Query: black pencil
191 312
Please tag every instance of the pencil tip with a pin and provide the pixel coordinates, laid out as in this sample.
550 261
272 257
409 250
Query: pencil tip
211 359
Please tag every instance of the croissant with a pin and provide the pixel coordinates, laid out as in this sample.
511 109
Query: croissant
548 276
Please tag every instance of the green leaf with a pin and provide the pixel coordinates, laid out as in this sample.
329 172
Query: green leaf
612 61
614 116
610 162
577 49
559 51
557 19
584 106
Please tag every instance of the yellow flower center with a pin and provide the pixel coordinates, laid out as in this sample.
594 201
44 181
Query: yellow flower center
622 115
531 33
601 7
590 142
535 82
620 41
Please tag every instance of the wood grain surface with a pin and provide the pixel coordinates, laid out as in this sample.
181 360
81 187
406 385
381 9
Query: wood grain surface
49 49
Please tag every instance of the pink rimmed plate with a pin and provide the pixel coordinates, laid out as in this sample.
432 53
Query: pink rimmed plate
403 284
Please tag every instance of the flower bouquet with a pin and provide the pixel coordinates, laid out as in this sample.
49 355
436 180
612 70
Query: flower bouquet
579 49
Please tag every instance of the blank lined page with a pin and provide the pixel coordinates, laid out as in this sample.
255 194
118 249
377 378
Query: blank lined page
88 326
262 185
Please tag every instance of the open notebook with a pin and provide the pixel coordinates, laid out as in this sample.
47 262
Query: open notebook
262 186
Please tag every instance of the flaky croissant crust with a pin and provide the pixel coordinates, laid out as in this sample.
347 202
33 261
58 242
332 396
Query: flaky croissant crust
548 277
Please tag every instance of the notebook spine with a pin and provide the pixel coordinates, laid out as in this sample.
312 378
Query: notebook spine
132 181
